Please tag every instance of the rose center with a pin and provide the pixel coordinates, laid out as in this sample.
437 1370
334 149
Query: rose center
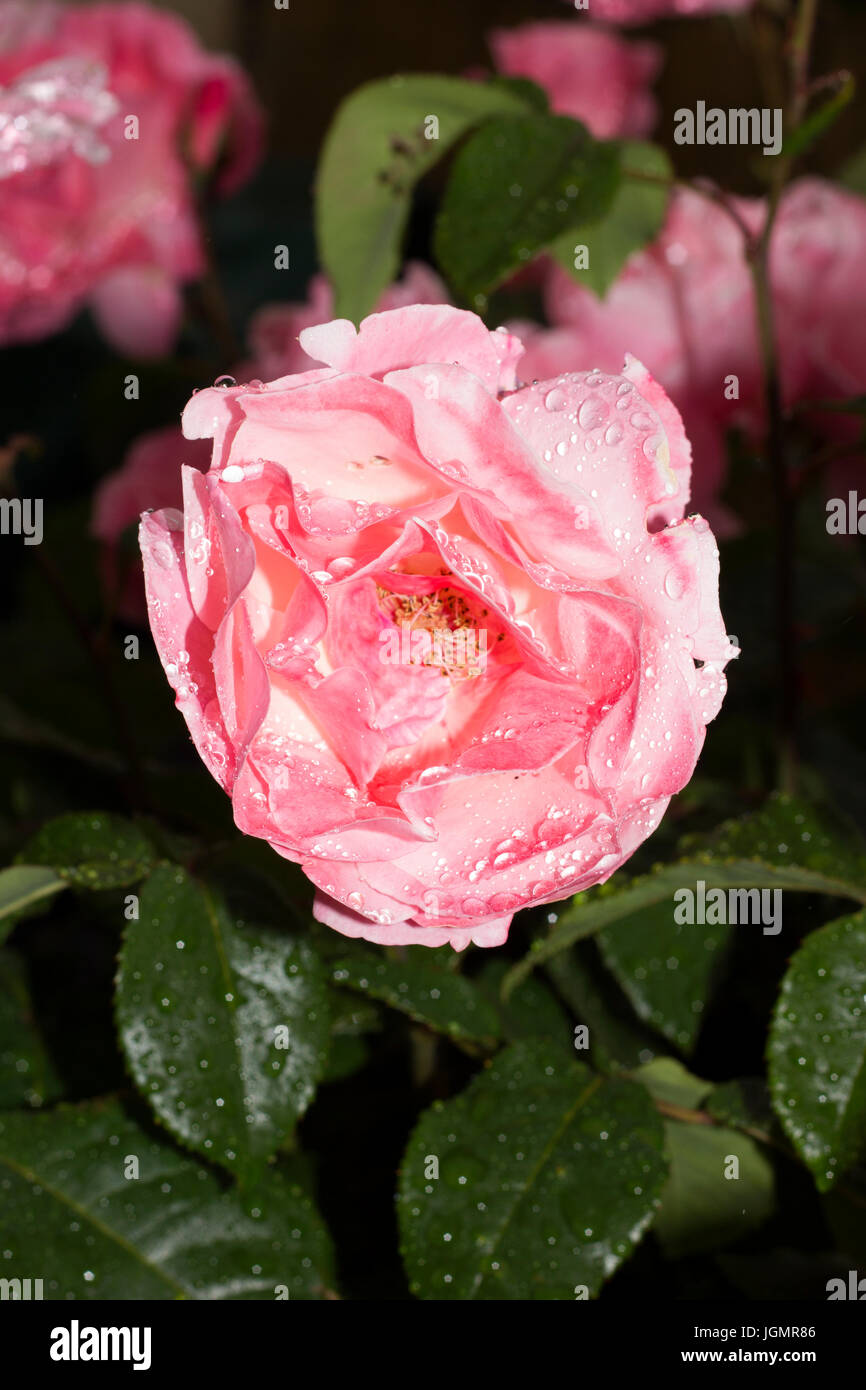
438 629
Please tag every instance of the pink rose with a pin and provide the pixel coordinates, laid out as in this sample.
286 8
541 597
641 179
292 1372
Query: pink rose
645 11
91 215
587 73
429 630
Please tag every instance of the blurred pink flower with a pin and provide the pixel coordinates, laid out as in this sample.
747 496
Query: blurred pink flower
644 11
818 269
122 112
588 73
52 111
685 306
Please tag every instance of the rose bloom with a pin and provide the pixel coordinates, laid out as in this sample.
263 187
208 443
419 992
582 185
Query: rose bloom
587 73
685 305
91 216
574 650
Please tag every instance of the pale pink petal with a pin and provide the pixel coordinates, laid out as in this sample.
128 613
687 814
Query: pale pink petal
417 334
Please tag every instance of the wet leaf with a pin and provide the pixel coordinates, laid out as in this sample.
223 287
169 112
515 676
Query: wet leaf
721 1183
224 1026
447 1002
548 1178
380 143
666 969
817 1049
517 184
93 850
24 890
98 1208
632 221
27 1074
533 1011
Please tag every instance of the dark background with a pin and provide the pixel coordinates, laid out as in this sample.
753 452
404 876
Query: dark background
304 60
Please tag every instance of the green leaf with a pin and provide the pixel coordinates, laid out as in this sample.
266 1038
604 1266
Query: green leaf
633 220
744 1104
374 154
665 968
817 1049
352 1017
533 97
703 1206
224 1026
844 1208
516 185
617 1040
347 1055
787 844
94 850
352 1020
667 1080
548 1178
24 889
100 1209
533 1011
817 851
27 1073
444 1001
